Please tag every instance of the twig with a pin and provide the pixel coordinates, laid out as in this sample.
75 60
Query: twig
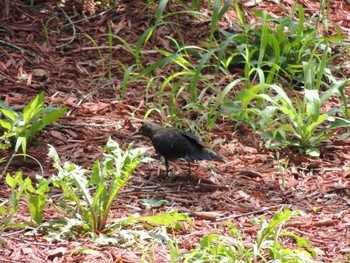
88 18
87 124
2 42
31 242
14 261
73 28
246 214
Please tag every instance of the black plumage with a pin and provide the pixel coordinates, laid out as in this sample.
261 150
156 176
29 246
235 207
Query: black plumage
175 143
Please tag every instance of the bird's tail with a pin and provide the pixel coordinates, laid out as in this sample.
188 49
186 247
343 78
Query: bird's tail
203 154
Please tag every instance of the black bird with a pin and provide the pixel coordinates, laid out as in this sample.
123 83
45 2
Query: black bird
175 143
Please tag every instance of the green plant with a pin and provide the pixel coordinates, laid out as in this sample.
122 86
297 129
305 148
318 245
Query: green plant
107 178
267 247
155 233
35 196
23 127
189 70
291 118
301 123
272 49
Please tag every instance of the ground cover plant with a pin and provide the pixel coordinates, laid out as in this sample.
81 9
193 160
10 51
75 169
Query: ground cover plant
264 84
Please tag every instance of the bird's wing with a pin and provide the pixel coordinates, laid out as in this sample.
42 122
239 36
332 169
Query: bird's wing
189 136
172 144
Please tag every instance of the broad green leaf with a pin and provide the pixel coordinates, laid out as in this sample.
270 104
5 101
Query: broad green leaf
54 155
96 175
335 88
9 113
320 120
6 125
344 136
52 116
166 219
36 207
10 181
208 240
340 123
33 108
4 106
321 137
154 202
313 151
283 94
2 212
313 103
246 96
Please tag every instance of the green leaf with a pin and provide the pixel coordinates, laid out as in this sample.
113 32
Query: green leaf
166 219
207 240
9 113
227 6
340 123
283 94
142 40
313 103
344 136
54 155
154 202
33 108
215 18
123 87
301 242
158 64
52 116
21 141
2 212
10 181
320 119
312 151
194 81
6 125
247 95
36 207
336 87
159 11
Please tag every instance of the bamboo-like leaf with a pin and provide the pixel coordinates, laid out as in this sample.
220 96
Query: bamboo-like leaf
158 64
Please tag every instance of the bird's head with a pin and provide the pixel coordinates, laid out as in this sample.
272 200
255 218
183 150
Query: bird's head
148 129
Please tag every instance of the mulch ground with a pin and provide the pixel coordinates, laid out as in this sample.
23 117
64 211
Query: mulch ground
76 75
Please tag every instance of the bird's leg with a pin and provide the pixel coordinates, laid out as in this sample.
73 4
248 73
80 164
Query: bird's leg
166 168
189 169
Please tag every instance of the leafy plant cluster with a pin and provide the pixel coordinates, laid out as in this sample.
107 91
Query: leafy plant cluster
87 195
84 212
267 246
288 75
20 128
106 179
